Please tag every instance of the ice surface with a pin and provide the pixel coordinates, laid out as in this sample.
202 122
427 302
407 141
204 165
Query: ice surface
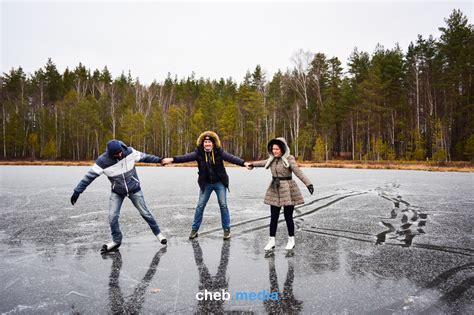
366 241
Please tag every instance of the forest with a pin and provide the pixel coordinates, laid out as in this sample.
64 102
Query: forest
389 104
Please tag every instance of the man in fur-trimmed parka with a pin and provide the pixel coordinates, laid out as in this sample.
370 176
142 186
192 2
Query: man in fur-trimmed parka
212 177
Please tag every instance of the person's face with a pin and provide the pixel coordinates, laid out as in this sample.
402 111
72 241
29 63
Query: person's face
276 150
118 155
208 145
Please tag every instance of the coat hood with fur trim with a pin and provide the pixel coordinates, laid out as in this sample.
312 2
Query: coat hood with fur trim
211 134
282 144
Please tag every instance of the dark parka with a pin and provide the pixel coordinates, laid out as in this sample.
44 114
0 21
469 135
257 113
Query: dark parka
217 162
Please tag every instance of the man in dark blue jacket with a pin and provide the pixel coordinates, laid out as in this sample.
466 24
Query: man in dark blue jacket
212 177
118 164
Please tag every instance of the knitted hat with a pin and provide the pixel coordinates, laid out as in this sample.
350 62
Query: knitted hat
207 137
114 147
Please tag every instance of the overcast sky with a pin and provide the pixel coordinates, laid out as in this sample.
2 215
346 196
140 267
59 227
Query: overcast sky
212 39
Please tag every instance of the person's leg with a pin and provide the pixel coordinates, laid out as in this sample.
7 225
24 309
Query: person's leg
115 204
288 211
203 199
275 214
138 201
221 193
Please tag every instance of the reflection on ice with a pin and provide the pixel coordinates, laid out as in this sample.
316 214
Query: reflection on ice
208 283
133 303
286 302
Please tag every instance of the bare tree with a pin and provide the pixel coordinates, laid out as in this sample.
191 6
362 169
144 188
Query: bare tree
301 78
113 107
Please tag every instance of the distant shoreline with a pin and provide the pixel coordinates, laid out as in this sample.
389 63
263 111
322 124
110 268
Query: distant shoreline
388 165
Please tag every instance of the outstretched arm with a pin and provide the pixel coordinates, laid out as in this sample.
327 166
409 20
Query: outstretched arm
235 160
232 159
259 163
146 158
92 174
185 158
299 173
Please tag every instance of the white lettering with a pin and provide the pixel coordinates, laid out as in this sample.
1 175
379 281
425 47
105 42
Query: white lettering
197 296
207 295
226 295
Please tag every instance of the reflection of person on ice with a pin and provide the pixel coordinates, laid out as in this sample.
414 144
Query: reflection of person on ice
283 190
134 302
210 285
118 164
286 303
210 158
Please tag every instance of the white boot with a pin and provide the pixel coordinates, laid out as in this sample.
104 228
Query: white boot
271 244
291 243
162 238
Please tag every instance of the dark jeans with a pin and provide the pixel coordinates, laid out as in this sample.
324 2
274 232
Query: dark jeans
275 212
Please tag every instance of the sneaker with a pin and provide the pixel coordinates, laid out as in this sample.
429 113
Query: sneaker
291 243
271 244
109 247
193 235
227 234
162 238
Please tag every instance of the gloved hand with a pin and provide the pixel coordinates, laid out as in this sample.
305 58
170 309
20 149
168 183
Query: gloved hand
311 189
74 197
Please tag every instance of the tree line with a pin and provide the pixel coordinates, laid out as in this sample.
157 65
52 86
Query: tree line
388 105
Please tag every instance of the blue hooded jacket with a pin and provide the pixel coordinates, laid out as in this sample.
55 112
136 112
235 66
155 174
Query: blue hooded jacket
121 173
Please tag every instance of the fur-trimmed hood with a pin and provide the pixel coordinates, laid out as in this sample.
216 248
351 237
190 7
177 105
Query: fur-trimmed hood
211 134
286 151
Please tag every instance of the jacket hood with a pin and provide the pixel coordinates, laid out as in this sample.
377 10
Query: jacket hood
114 146
211 134
281 142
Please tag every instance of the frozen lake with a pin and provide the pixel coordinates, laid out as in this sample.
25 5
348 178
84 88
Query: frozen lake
381 241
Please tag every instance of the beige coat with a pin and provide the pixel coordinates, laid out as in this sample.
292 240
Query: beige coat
288 193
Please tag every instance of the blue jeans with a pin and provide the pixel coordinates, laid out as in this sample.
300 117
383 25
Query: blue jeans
138 201
221 193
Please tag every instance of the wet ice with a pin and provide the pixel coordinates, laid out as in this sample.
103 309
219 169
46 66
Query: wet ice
421 221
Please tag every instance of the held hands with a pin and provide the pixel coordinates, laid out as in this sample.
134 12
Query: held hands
311 189
74 197
248 165
166 161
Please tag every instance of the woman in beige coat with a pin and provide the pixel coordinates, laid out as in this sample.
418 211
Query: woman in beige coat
283 190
